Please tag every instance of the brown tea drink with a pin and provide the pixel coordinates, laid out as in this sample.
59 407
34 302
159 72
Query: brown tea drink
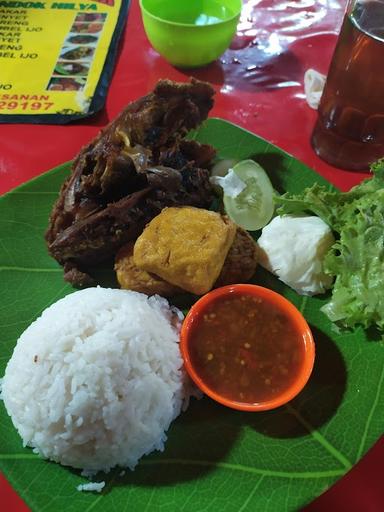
349 132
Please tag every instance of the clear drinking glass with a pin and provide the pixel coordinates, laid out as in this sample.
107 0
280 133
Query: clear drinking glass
349 132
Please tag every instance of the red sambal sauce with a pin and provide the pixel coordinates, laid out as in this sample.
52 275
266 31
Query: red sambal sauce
246 349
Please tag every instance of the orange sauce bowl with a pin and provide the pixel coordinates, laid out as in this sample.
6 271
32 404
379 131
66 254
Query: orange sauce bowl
247 347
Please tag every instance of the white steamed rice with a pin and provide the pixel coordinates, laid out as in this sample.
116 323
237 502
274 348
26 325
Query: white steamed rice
91 487
97 379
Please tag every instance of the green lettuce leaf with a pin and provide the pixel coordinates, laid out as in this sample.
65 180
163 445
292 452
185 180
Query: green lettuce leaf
356 260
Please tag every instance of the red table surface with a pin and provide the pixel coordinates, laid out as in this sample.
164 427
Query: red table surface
259 84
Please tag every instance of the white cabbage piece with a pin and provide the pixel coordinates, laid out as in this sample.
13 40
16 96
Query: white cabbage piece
231 184
293 248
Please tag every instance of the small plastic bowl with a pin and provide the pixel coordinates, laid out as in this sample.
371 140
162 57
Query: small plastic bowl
179 29
194 317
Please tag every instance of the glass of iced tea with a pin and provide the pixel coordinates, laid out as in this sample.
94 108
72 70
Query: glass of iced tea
349 132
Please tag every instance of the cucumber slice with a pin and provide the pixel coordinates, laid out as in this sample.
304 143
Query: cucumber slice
253 208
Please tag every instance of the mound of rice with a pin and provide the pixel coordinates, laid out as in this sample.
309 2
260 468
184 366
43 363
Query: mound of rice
97 379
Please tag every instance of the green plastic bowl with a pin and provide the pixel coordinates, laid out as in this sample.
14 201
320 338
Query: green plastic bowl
190 33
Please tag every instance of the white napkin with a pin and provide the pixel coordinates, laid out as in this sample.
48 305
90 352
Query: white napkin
313 87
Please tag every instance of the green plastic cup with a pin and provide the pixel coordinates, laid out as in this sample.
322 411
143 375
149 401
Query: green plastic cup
190 33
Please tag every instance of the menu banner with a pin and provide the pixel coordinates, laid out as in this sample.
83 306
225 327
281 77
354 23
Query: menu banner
56 58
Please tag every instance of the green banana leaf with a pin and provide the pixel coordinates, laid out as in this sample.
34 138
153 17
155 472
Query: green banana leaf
215 458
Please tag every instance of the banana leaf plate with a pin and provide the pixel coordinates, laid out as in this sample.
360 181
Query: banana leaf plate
215 458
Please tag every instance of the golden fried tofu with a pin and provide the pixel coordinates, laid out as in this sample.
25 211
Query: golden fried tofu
185 246
239 266
130 277
241 261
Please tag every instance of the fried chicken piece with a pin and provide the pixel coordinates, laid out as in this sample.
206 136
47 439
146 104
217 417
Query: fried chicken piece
123 178
185 246
131 277
241 261
98 236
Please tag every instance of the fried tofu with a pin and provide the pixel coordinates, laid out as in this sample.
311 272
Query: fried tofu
185 246
131 277
239 266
